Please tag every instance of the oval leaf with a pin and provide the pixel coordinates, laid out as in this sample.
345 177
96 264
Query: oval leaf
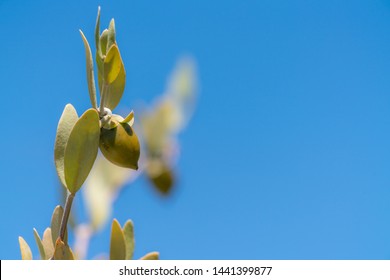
90 75
128 232
103 43
111 34
117 244
25 250
81 150
100 58
62 251
153 256
56 222
115 90
67 121
48 244
112 64
39 244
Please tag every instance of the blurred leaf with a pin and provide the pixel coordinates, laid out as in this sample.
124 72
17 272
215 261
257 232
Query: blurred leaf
67 121
181 92
128 232
90 75
40 245
102 187
81 150
117 244
112 64
56 222
116 89
62 251
111 34
25 250
82 236
169 115
48 244
161 124
157 126
182 83
153 256
98 199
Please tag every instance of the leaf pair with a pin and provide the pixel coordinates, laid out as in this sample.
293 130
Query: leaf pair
122 242
48 245
76 146
45 245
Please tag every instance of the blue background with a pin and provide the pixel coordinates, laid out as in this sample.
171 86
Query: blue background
287 155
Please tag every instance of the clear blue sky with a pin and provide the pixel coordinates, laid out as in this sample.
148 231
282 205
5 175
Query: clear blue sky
286 157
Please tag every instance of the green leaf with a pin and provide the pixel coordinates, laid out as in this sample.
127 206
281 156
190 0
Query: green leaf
81 150
56 222
128 232
40 245
97 35
116 89
129 119
48 244
67 121
90 75
103 43
111 34
112 65
100 58
62 251
117 244
153 256
25 250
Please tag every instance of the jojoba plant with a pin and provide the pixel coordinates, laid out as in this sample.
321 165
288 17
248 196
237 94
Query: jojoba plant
78 140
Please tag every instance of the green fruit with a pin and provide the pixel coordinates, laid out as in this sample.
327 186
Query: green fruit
120 145
161 176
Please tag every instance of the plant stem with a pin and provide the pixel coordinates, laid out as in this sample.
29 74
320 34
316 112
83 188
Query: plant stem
65 217
102 99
